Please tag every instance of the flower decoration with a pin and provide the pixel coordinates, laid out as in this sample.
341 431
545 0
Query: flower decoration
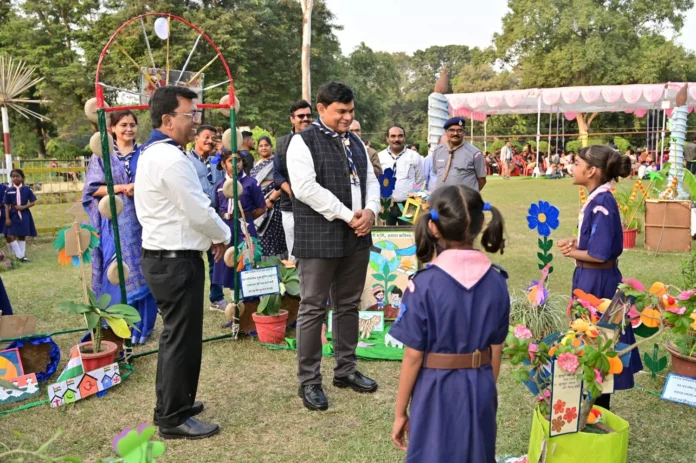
568 362
537 292
634 284
570 414
686 295
557 424
598 376
522 332
676 310
59 245
559 406
532 349
387 183
544 217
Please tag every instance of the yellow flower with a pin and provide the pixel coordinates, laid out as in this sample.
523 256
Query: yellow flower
693 317
658 289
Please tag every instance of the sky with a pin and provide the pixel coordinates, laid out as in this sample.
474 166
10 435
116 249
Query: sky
410 25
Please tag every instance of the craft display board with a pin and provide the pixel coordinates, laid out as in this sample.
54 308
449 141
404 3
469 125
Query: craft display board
392 262
15 326
374 318
680 389
259 282
28 385
566 398
668 225
84 385
10 364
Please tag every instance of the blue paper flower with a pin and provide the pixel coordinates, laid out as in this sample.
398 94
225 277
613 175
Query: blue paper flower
387 182
543 217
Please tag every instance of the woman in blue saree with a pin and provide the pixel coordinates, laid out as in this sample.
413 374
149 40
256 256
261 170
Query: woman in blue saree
124 162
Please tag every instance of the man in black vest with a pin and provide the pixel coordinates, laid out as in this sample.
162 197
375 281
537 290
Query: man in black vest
300 117
336 198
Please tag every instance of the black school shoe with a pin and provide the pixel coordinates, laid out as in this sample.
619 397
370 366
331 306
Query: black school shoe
357 382
190 429
196 409
313 397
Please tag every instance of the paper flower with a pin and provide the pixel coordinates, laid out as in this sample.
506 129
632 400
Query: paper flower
686 295
568 362
559 406
676 310
387 182
633 283
546 396
522 332
570 414
532 349
557 424
658 289
543 217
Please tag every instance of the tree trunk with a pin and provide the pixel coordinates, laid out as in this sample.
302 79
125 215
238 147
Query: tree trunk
584 127
307 6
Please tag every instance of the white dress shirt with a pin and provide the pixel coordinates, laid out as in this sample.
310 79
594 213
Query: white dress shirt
409 171
303 178
170 204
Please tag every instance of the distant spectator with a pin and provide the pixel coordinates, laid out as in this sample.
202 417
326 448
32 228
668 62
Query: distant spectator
690 155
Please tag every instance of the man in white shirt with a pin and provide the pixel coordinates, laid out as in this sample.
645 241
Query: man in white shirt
336 198
178 226
506 160
406 165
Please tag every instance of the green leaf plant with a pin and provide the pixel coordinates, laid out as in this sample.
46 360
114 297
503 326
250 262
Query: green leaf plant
289 284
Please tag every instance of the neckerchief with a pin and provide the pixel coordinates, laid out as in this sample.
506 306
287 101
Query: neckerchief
126 158
395 157
354 179
451 150
19 198
206 162
600 189
158 137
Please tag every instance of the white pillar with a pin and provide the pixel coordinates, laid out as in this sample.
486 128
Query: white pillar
6 139
485 134
676 151
537 171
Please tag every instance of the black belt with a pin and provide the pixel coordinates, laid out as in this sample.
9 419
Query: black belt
171 254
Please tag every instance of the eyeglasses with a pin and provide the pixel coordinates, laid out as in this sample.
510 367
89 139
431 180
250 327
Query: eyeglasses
455 132
195 115
303 116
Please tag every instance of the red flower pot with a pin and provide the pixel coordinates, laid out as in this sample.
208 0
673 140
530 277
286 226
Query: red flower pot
681 364
629 238
271 329
91 362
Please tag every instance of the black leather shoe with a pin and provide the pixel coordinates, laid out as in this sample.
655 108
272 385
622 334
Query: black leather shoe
357 382
313 397
190 429
196 409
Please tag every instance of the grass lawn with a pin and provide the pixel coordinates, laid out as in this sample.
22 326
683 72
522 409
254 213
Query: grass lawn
252 391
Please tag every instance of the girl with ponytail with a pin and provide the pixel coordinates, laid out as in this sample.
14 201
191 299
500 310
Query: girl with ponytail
599 243
453 321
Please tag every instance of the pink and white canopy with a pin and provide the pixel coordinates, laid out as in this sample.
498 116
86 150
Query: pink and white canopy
636 99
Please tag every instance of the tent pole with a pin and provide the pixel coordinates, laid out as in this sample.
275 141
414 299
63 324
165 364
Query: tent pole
471 140
558 113
647 134
485 134
664 124
548 144
563 124
538 134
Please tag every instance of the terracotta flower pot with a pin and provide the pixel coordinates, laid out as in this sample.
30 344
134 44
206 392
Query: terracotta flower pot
271 329
92 361
629 238
681 364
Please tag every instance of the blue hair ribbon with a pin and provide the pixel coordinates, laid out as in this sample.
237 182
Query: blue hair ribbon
486 206
434 215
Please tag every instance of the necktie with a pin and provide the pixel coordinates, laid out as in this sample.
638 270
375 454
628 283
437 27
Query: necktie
451 150
19 198
354 179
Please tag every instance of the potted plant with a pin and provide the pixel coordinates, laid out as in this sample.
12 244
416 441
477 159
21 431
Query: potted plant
630 208
119 317
269 318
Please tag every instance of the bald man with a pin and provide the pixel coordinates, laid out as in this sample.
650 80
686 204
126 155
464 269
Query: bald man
371 152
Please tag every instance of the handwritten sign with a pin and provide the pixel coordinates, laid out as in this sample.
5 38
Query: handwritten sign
680 389
566 397
260 282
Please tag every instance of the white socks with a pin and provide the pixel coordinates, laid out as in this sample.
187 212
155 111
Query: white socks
18 248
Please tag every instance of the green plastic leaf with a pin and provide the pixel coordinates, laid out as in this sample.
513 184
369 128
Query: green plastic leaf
661 364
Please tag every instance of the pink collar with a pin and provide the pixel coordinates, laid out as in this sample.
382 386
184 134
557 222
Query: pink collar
465 266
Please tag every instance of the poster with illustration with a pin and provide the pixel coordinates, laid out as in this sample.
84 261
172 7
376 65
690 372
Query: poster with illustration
392 262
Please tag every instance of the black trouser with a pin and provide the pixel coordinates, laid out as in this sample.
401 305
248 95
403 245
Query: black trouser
394 214
177 285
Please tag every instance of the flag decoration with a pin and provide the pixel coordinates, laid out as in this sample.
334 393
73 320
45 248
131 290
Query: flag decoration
74 367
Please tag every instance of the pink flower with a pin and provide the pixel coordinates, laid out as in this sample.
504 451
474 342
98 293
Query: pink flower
522 332
547 394
568 362
676 310
531 350
598 376
633 283
686 295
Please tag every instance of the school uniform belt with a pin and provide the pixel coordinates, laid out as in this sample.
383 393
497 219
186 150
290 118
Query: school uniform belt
171 254
458 361
596 265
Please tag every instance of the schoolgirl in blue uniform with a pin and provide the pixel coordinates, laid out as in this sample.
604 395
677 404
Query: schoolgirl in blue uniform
600 240
453 321
3 226
19 223
253 205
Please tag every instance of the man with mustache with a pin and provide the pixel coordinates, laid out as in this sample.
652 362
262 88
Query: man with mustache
406 165
457 162
200 155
